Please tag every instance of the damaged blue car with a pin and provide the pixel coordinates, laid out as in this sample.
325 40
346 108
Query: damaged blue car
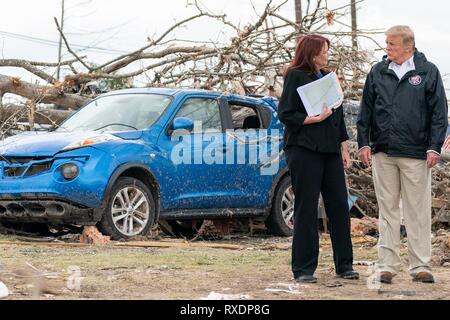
133 157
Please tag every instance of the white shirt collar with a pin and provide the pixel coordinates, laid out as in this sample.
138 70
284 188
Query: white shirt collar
407 64
401 69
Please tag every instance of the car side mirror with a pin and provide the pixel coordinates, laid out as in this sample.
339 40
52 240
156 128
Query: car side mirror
182 123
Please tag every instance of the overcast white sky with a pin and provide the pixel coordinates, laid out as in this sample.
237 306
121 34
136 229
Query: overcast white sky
124 25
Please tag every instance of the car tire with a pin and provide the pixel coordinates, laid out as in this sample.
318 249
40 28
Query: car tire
280 222
130 210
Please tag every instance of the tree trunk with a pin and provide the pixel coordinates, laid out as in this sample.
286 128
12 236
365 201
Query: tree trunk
298 12
41 94
354 25
58 71
31 116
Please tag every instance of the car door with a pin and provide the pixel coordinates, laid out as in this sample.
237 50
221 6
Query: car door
249 143
196 176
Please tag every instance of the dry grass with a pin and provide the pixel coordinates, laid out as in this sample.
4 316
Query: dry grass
110 272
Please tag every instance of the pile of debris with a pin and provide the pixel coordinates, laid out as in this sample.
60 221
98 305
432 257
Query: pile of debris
441 248
213 229
364 226
360 183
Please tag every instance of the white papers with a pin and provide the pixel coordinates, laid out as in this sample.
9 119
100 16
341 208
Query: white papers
325 90
3 291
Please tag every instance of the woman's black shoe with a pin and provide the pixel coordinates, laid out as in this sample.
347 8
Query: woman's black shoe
306 279
352 275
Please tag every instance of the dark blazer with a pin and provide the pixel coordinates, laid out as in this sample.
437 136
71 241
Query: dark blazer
325 136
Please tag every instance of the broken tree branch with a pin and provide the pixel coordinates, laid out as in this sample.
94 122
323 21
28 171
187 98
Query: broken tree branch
44 94
69 49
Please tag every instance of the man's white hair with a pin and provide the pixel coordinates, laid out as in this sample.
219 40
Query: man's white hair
405 33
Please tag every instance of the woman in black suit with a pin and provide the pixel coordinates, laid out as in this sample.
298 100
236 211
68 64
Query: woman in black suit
316 153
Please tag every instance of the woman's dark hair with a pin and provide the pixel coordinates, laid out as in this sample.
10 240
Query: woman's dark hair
308 47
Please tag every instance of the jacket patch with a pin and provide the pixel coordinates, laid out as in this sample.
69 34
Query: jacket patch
415 80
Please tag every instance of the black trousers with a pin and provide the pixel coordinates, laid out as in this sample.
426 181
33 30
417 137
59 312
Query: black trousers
313 173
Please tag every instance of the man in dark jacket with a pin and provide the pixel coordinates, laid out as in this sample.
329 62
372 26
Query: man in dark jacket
401 127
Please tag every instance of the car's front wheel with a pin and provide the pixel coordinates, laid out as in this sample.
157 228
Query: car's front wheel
281 219
130 210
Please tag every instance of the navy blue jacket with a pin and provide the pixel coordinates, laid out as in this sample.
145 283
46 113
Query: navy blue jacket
403 117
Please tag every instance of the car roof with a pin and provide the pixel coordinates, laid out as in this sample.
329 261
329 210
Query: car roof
165 91
182 91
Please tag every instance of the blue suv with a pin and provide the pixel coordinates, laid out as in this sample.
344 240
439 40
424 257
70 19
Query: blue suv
131 158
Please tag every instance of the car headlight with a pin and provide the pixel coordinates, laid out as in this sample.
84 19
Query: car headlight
90 141
70 171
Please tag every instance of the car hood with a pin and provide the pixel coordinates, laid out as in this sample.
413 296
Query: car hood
49 143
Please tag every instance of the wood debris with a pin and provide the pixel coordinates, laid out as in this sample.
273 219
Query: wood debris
91 235
133 244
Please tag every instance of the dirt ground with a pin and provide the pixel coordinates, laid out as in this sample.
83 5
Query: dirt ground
256 267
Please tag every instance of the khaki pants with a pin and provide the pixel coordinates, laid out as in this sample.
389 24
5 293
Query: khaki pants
408 179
